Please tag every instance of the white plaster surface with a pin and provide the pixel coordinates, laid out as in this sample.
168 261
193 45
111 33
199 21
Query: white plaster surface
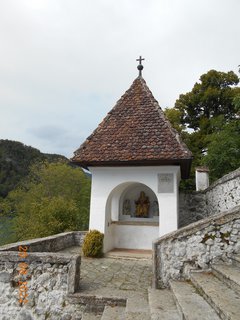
108 184
202 180
134 237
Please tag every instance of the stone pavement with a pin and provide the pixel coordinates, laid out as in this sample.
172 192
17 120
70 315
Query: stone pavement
115 274
119 289
123 277
121 272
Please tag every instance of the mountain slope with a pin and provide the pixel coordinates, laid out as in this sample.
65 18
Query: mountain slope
15 161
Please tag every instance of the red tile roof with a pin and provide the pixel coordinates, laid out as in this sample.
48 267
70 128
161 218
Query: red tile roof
134 132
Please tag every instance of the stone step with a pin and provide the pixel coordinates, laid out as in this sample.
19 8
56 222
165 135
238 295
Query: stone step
191 305
113 313
129 254
229 274
137 308
236 260
96 302
224 300
91 316
162 305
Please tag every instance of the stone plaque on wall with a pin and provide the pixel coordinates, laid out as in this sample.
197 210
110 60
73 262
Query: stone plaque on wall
165 183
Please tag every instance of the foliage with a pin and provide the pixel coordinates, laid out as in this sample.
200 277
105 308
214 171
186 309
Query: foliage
223 154
211 111
209 98
236 100
6 230
15 162
174 116
93 244
53 198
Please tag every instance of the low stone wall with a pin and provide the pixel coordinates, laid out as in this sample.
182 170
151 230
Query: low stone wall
222 195
192 208
49 279
53 243
197 245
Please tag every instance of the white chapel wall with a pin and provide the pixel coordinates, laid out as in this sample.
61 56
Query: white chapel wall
106 179
132 236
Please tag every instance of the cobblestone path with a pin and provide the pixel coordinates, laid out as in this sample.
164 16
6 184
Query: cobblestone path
115 274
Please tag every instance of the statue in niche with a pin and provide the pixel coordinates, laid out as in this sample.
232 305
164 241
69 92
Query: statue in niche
155 209
142 206
127 207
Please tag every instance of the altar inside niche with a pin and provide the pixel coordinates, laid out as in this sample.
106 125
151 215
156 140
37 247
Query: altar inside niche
138 203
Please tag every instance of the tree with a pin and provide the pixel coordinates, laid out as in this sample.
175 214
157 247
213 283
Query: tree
213 104
211 97
54 198
174 116
15 161
236 100
223 154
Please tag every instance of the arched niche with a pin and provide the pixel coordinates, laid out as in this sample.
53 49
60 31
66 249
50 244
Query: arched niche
131 191
130 196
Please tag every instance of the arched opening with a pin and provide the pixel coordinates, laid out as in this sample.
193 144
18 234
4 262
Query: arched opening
132 217
138 203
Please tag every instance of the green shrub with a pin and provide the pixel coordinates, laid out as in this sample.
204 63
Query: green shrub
93 244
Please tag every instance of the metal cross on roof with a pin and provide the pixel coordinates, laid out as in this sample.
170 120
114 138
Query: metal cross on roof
140 66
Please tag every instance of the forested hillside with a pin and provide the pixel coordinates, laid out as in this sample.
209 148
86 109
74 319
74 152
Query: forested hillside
15 161
40 194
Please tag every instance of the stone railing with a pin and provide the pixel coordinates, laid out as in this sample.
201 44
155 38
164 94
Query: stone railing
197 245
222 195
53 243
51 277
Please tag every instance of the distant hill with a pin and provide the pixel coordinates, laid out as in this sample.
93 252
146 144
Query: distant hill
15 161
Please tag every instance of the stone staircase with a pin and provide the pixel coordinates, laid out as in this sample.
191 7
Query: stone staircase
207 295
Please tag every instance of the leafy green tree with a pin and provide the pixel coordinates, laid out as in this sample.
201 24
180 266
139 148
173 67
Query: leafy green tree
236 100
54 198
174 116
211 97
223 153
212 105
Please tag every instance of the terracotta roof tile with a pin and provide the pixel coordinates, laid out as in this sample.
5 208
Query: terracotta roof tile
135 131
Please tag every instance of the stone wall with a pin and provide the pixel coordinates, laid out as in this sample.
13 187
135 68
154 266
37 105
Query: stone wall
222 195
192 207
53 243
49 279
197 246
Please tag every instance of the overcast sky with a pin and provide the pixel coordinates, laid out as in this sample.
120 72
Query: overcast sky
65 63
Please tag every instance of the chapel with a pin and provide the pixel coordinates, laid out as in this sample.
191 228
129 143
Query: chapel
136 160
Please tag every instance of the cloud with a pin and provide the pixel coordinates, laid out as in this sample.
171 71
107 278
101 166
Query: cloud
48 132
64 64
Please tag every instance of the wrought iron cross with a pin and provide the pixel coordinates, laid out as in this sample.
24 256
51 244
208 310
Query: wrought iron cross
140 66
